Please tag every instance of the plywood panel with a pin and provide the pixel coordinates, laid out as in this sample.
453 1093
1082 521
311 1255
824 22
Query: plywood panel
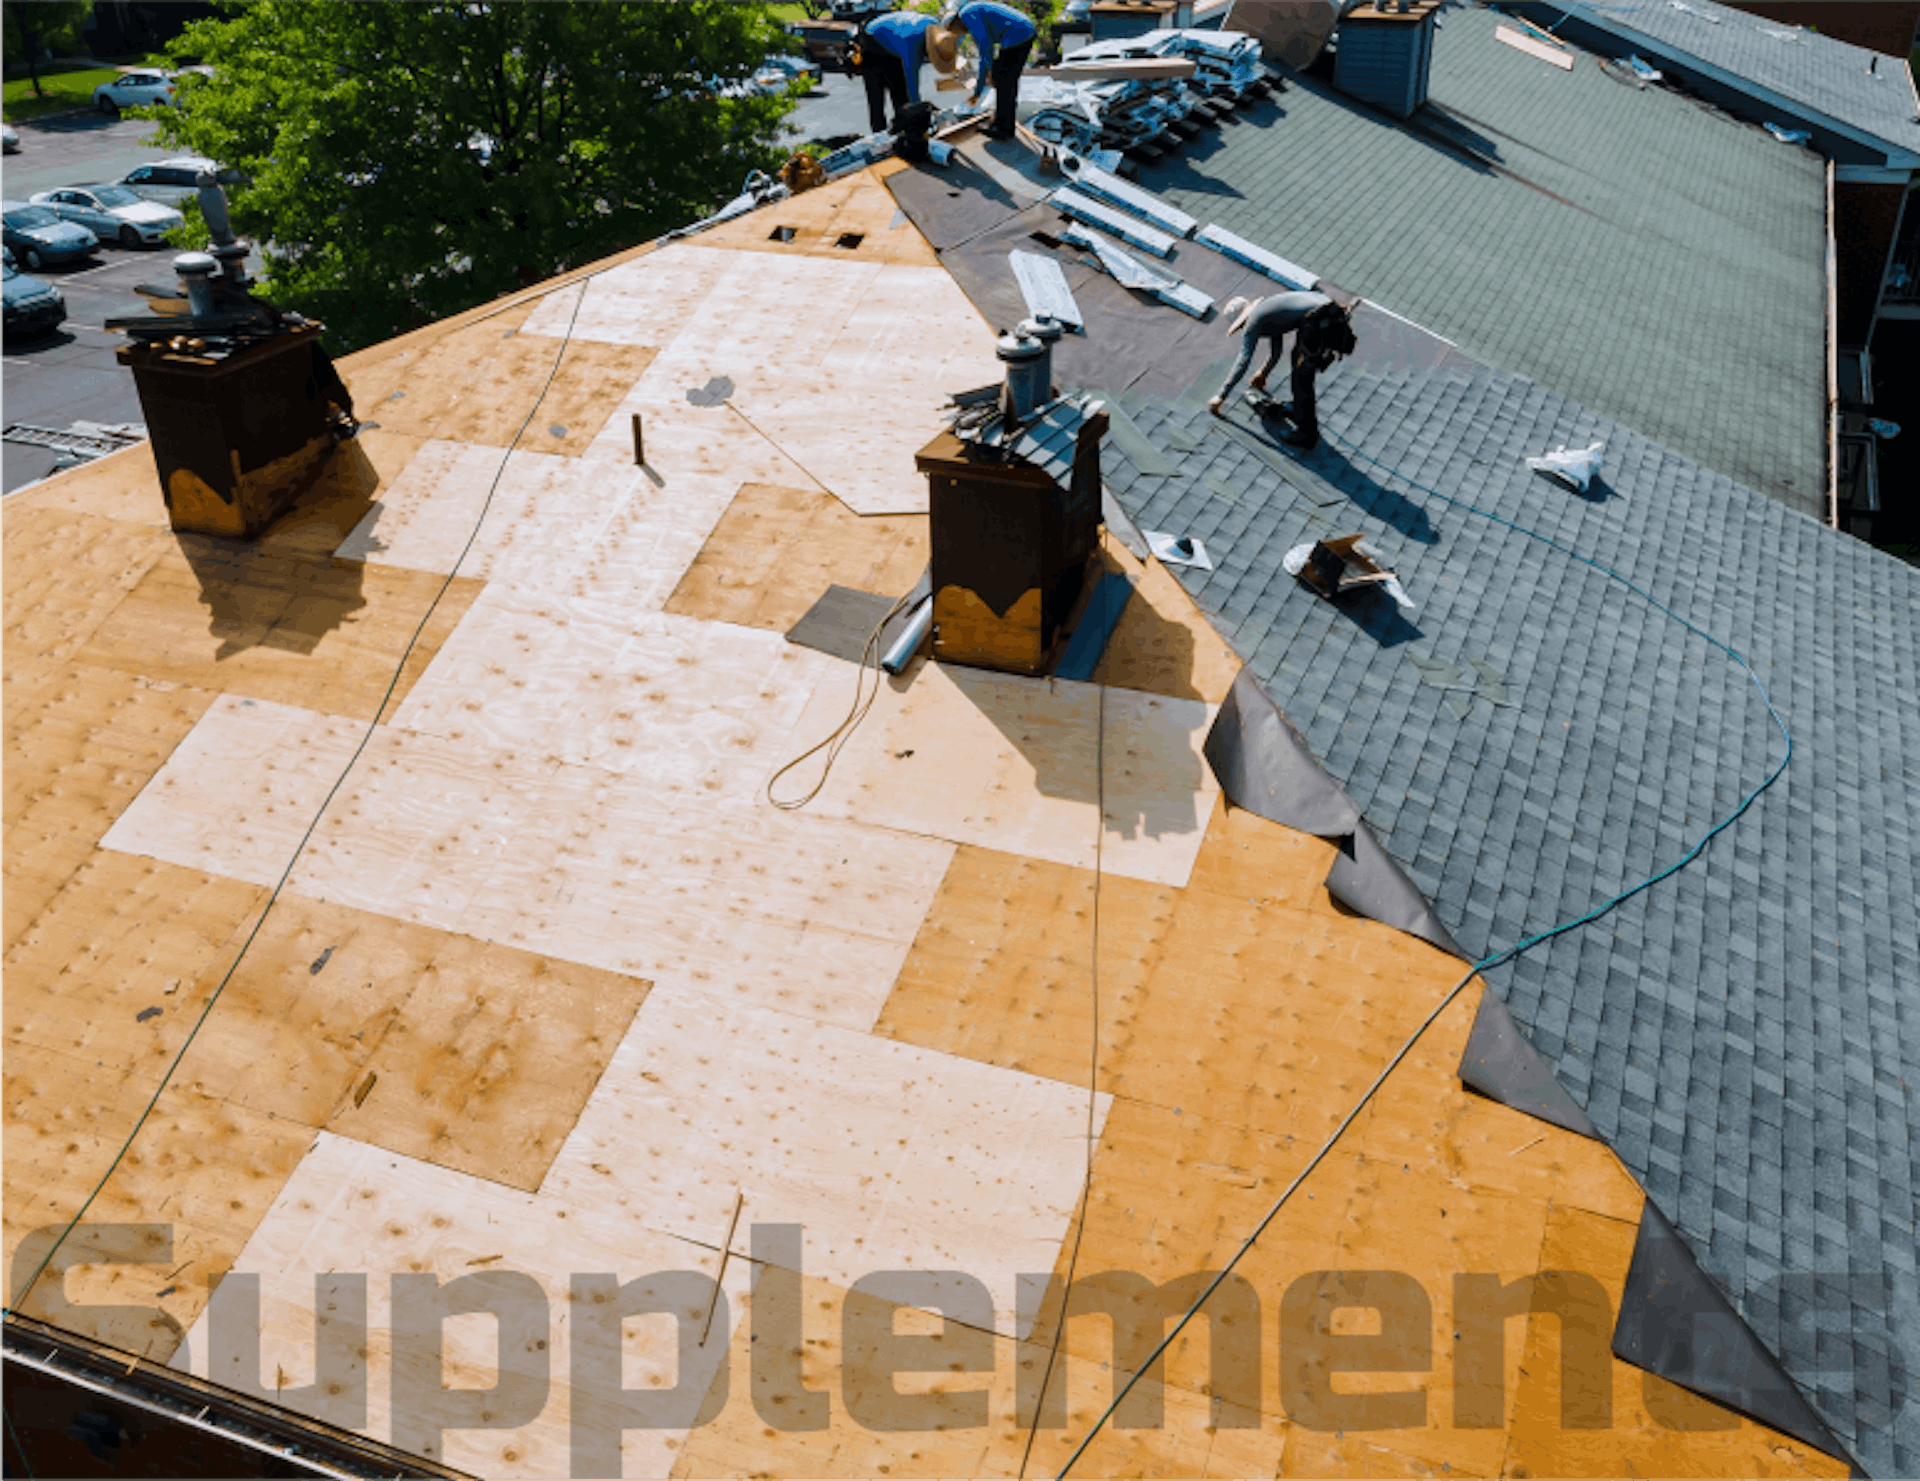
65 573
1162 643
865 1436
1010 763
858 204
116 969
203 1170
703 708
1722 1444
643 302
354 1208
470 1055
1248 857
257 620
123 486
776 550
892 1158
80 746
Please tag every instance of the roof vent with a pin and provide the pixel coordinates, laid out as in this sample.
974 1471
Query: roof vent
1384 53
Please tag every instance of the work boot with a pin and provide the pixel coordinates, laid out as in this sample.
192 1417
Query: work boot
1294 437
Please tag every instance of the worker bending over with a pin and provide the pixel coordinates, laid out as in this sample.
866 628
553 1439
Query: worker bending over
1002 39
1324 333
892 50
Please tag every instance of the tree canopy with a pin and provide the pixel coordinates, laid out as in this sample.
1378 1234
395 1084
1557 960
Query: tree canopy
27 28
409 161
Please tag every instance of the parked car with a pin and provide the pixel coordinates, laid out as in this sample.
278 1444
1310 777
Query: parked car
38 238
171 181
780 70
134 90
9 139
827 43
111 211
33 307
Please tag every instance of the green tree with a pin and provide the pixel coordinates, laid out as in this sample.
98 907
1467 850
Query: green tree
29 27
407 161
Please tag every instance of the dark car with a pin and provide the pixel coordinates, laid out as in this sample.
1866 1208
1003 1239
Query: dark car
33 307
38 238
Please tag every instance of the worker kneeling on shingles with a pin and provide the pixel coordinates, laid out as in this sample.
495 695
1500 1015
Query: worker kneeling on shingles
1325 333
1003 39
892 50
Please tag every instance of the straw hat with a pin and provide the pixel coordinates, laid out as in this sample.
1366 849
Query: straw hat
943 45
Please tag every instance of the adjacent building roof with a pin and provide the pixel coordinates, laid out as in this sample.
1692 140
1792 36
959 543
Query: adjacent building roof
1851 85
1660 265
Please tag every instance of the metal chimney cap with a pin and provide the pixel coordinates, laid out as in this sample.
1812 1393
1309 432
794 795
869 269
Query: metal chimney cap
195 264
1019 348
1042 327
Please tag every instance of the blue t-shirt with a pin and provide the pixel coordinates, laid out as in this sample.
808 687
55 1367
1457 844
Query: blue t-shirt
994 26
904 33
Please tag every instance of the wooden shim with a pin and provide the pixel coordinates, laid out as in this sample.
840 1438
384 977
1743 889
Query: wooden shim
1534 47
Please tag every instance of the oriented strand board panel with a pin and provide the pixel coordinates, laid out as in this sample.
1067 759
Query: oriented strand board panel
809 914
358 1209
251 619
776 550
1013 764
203 1171
867 1408
1657 1429
540 524
474 1056
64 574
702 708
890 1157
79 748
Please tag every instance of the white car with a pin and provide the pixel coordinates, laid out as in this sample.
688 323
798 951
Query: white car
9 140
111 211
134 90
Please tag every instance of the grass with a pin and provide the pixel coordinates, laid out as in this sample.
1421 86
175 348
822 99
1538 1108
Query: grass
65 85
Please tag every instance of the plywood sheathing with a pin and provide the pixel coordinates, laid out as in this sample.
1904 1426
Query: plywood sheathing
803 913
890 1157
79 749
1162 644
353 1208
1010 763
775 551
473 1056
541 524
740 1443
858 205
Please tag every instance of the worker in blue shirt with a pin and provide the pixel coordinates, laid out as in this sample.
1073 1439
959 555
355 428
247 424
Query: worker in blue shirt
892 50
1002 39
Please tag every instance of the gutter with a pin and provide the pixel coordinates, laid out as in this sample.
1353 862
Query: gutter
1833 368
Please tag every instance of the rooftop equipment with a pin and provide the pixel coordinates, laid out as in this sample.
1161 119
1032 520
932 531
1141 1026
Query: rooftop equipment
1383 53
243 405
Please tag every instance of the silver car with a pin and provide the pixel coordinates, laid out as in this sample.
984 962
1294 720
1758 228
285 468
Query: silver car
173 182
134 90
111 211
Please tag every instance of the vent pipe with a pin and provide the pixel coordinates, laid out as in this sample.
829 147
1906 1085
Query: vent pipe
1028 355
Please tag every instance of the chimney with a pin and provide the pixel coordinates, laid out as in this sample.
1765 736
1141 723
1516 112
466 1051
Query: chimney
1384 53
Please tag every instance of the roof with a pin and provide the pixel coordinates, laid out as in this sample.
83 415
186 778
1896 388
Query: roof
1663 267
1852 85
547 987
1537 737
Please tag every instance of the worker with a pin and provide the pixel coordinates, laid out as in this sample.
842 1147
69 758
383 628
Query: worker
1002 39
892 51
1322 332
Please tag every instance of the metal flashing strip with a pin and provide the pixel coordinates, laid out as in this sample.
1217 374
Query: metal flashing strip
1080 208
1089 640
1500 1062
1366 878
1130 272
1675 1323
1265 768
1244 252
1105 186
1044 286
843 619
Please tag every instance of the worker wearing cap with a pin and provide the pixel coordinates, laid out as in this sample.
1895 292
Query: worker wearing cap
1002 39
892 51
1322 333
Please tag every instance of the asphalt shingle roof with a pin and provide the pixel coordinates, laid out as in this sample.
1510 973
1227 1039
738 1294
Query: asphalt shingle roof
1818 72
1663 266
1744 1034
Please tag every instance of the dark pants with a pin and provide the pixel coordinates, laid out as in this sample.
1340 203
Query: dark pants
886 77
1305 368
1008 63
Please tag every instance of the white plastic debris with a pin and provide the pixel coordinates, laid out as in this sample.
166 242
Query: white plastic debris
1881 429
1295 560
1790 136
1642 69
1575 469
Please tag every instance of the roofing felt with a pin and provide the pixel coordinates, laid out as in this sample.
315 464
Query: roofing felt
1662 266
1851 84
1537 738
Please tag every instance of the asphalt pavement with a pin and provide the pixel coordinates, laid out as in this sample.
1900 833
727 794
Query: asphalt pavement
57 379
